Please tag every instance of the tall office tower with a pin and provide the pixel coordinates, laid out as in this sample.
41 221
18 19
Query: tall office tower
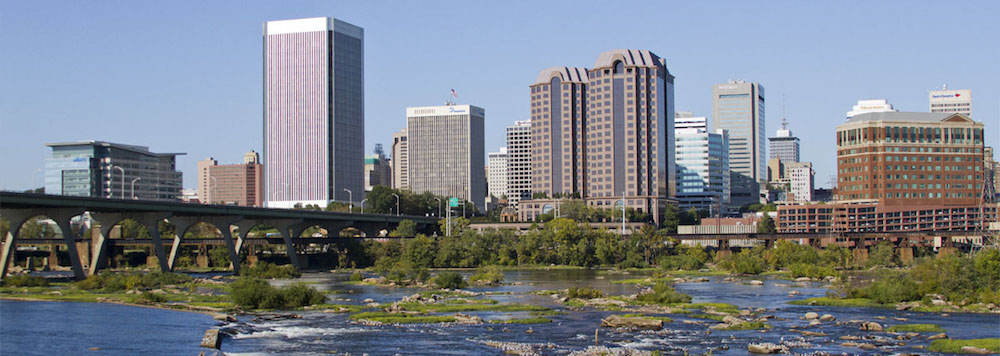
738 107
400 161
111 170
629 136
870 105
378 170
446 151
910 158
519 161
496 173
558 113
800 181
948 101
313 111
702 166
784 146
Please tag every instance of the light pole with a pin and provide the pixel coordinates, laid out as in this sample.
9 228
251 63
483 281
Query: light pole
350 200
133 186
363 205
397 203
211 188
123 180
439 206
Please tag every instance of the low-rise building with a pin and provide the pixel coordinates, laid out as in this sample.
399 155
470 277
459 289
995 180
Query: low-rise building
231 184
111 170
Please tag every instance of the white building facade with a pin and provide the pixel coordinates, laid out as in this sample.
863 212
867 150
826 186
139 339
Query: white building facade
446 154
496 176
518 161
957 101
870 105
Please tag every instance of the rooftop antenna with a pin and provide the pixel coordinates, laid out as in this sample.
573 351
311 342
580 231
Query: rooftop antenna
784 122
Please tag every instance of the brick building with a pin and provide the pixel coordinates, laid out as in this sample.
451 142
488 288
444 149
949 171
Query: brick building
910 159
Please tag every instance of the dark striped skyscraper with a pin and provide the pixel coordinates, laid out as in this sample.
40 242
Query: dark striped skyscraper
313 111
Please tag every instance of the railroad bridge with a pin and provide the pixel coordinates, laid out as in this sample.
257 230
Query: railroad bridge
234 222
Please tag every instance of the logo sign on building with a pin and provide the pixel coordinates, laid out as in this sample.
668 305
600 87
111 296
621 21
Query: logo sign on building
453 202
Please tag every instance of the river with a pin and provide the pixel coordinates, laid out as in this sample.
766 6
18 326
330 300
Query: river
72 328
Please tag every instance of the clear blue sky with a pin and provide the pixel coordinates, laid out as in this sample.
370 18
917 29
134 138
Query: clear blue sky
185 76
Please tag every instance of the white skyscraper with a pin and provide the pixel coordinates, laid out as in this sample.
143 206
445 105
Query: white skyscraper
446 154
945 100
496 176
518 161
314 119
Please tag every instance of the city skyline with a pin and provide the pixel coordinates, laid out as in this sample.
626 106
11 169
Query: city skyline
163 83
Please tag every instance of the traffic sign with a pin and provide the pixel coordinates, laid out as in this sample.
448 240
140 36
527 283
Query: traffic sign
453 202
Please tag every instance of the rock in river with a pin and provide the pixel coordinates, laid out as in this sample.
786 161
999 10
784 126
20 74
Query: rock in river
617 321
975 350
756 282
211 339
827 317
937 336
765 348
871 326
811 316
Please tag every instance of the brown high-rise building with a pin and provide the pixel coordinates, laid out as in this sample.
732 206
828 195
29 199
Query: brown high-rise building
605 133
558 114
231 184
910 158
630 130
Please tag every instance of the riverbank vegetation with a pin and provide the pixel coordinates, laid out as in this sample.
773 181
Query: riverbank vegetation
956 345
256 293
945 283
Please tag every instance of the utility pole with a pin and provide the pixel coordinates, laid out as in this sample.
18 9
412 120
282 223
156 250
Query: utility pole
447 221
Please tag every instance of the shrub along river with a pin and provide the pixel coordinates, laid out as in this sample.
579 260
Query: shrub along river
44 328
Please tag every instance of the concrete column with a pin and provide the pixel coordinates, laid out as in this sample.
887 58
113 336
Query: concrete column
860 256
182 223
62 217
234 257
17 218
906 255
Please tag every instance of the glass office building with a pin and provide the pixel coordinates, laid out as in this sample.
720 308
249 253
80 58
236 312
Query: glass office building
111 170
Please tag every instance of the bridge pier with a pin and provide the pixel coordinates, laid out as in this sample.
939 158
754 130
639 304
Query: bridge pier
62 217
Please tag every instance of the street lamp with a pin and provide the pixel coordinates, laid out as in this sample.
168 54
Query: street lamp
350 200
133 186
363 205
397 203
211 188
123 180
439 206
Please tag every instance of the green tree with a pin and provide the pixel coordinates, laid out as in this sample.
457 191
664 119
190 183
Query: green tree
766 225
406 228
420 251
